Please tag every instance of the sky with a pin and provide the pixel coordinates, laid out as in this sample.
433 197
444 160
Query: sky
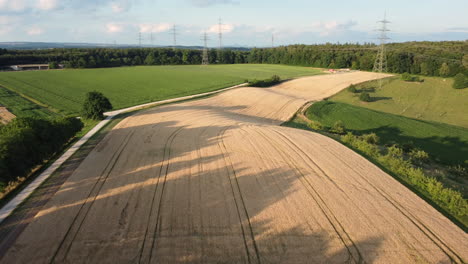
250 23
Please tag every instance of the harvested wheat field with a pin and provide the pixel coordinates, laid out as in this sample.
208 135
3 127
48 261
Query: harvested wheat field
5 115
218 181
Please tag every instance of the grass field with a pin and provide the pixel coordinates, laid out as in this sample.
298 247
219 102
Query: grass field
447 143
20 106
432 100
64 90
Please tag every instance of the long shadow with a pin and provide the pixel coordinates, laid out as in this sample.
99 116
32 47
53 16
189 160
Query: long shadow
174 190
380 98
447 150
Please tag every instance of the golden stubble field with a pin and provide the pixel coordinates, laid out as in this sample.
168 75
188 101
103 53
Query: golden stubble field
218 181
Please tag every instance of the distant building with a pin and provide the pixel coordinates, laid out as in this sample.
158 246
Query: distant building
31 67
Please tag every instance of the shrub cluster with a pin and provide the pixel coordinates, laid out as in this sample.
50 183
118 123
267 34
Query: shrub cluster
393 159
315 125
352 89
460 81
338 128
365 97
408 78
275 79
27 142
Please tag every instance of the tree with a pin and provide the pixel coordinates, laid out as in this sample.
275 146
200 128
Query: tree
460 81
150 60
82 63
424 68
95 105
444 70
352 88
365 97
53 65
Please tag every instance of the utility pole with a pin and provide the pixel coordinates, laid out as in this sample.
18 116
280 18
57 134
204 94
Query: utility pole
380 64
220 36
205 59
174 36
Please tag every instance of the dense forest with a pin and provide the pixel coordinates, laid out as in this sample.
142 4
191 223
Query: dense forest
426 58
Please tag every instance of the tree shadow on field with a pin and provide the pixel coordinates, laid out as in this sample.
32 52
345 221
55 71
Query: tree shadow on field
380 98
448 150
174 192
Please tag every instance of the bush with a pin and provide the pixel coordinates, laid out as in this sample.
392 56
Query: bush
371 138
352 89
419 156
460 81
315 125
408 78
338 128
95 105
365 97
275 79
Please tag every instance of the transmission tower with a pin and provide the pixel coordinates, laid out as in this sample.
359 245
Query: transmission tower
380 64
220 36
272 40
139 39
174 36
152 39
205 59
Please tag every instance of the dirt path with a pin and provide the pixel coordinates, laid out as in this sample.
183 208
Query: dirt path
5 115
218 181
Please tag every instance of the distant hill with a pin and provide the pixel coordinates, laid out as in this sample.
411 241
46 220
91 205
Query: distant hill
64 45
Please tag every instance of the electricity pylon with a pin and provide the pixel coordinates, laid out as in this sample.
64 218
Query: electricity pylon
205 59
174 36
380 64
220 36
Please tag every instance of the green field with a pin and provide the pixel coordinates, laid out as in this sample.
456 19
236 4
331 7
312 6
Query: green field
447 143
20 106
432 100
63 90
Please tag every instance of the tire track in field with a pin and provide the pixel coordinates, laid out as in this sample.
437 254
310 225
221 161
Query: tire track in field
86 206
163 170
231 175
353 251
448 251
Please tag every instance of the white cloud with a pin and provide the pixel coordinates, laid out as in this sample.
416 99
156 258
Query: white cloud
114 28
12 5
225 28
34 31
206 3
154 28
8 23
47 4
120 6
332 27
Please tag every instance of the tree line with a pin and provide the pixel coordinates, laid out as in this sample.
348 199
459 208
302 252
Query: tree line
108 57
425 58
26 142
445 59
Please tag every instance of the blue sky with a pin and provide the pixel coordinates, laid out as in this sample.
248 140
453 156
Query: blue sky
246 22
